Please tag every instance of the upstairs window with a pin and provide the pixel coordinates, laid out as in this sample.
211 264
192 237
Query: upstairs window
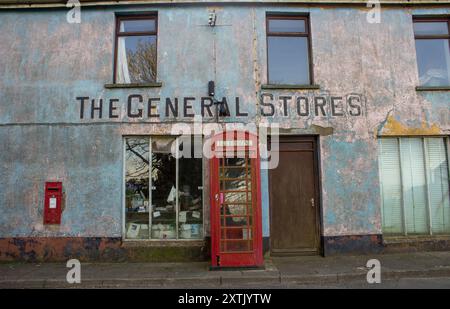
135 54
433 51
288 50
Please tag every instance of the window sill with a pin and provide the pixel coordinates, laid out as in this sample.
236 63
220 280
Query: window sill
391 239
437 88
134 85
163 243
287 87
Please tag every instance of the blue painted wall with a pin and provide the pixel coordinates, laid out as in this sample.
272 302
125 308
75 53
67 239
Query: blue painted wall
45 63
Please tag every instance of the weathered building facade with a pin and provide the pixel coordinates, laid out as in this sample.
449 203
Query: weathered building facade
364 128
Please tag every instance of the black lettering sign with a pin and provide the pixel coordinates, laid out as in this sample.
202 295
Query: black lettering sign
112 108
354 103
206 107
151 107
285 99
187 106
267 104
129 108
334 105
173 107
82 99
320 102
305 104
238 112
98 108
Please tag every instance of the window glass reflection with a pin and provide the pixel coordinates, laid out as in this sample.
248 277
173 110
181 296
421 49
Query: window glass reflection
163 189
288 60
175 210
287 25
138 25
433 59
136 188
190 216
136 59
430 28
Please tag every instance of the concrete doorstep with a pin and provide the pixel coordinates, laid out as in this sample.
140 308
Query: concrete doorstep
278 273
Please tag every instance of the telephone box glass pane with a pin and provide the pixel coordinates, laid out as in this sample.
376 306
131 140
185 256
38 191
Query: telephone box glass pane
236 205
236 233
236 209
235 245
238 172
237 197
164 193
136 188
236 184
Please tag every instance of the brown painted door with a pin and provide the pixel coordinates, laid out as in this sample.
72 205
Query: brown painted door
293 198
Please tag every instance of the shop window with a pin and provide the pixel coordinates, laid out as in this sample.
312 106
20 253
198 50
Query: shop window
288 50
414 178
135 53
163 189
433 51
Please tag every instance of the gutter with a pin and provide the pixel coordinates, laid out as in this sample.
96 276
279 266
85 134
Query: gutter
26 4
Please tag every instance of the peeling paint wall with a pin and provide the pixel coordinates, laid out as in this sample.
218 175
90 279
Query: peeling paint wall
45 63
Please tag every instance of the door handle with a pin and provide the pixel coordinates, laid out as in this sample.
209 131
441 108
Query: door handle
312 203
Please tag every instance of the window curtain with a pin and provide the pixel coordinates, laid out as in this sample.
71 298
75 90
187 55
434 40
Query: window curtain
123 75
391 186
438 184
414 185
414 181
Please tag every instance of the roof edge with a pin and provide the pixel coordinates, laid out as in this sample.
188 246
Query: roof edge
24 4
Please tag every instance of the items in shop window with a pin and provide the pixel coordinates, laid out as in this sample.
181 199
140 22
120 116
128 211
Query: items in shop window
185 216
182 216
167 234
196 204
185 231
163 231
196 214
139 203
190 231
196 230
172 195
133 230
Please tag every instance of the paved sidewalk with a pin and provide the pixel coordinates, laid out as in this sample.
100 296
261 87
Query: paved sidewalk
278 273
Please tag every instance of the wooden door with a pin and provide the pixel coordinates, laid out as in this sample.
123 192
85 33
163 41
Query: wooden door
294 203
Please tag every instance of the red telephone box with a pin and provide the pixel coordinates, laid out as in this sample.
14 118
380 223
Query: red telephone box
236 236
52 203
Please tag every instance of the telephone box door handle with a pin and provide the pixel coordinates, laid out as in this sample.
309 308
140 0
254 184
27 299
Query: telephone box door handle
217 197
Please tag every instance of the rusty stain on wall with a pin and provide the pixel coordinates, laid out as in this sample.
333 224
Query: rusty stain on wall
323 131
394 127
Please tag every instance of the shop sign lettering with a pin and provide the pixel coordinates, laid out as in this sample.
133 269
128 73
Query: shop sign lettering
137 106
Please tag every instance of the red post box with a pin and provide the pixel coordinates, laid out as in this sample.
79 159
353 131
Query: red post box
52 203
